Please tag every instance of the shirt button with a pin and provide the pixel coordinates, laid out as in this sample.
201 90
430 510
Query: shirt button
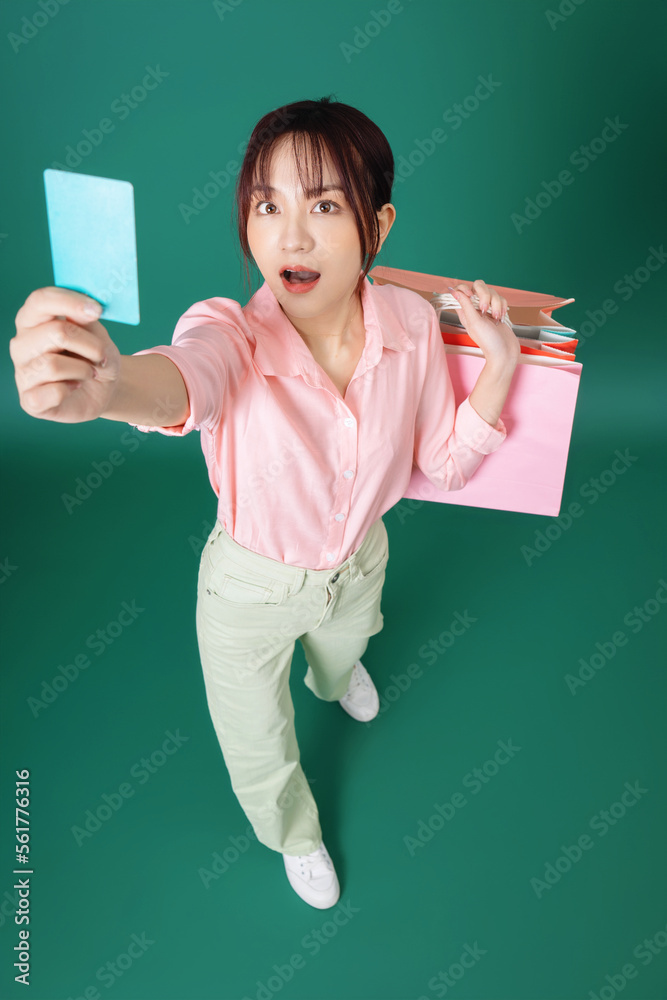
348 473
349 422
339 517
330 556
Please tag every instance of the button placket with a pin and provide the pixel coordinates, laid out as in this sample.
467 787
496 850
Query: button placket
344 489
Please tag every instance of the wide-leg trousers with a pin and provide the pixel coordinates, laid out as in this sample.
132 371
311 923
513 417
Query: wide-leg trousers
250 611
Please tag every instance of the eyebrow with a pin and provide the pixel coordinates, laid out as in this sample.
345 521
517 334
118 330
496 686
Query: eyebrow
311 192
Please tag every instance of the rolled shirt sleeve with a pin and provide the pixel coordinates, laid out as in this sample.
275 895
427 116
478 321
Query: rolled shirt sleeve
450 442
211 350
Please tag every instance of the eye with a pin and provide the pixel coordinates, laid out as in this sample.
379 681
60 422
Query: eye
260 203
333 203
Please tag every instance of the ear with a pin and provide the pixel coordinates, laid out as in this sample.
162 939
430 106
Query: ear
386 217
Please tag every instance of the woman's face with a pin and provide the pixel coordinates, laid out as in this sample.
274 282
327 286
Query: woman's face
318 233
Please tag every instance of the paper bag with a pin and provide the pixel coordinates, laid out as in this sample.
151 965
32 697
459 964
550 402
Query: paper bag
527 472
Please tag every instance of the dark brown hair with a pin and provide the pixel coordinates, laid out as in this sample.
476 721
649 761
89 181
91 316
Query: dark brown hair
359 152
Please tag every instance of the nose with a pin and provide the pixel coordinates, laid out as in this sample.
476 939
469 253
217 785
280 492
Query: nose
294 234
294 240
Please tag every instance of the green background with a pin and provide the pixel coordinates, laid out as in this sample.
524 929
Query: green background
136 538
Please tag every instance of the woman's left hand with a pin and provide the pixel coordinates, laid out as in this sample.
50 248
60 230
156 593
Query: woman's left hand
485 325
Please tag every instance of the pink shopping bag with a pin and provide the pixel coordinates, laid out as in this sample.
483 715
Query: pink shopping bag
527 472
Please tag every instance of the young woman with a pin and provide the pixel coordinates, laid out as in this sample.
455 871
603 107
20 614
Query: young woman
313 401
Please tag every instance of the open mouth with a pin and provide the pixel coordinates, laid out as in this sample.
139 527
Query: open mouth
299 277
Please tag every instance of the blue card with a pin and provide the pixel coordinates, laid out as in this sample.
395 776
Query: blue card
93 240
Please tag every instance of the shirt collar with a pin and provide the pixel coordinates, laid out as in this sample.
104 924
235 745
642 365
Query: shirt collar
280 350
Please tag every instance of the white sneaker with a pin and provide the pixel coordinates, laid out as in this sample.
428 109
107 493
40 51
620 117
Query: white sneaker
361 699
313 877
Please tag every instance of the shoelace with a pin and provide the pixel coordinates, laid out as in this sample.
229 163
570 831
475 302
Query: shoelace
321 858
357 681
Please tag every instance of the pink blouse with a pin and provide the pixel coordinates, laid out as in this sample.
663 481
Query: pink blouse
300 472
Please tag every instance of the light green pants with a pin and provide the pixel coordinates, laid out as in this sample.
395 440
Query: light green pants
250 611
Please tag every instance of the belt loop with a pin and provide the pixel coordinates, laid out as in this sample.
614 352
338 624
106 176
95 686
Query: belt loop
297 582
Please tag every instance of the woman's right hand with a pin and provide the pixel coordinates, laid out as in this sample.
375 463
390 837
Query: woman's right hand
66 365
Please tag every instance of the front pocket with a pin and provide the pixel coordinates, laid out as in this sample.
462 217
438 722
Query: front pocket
241 592
234 584
233 589
369 570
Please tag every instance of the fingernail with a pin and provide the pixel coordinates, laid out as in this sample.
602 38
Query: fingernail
92 308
